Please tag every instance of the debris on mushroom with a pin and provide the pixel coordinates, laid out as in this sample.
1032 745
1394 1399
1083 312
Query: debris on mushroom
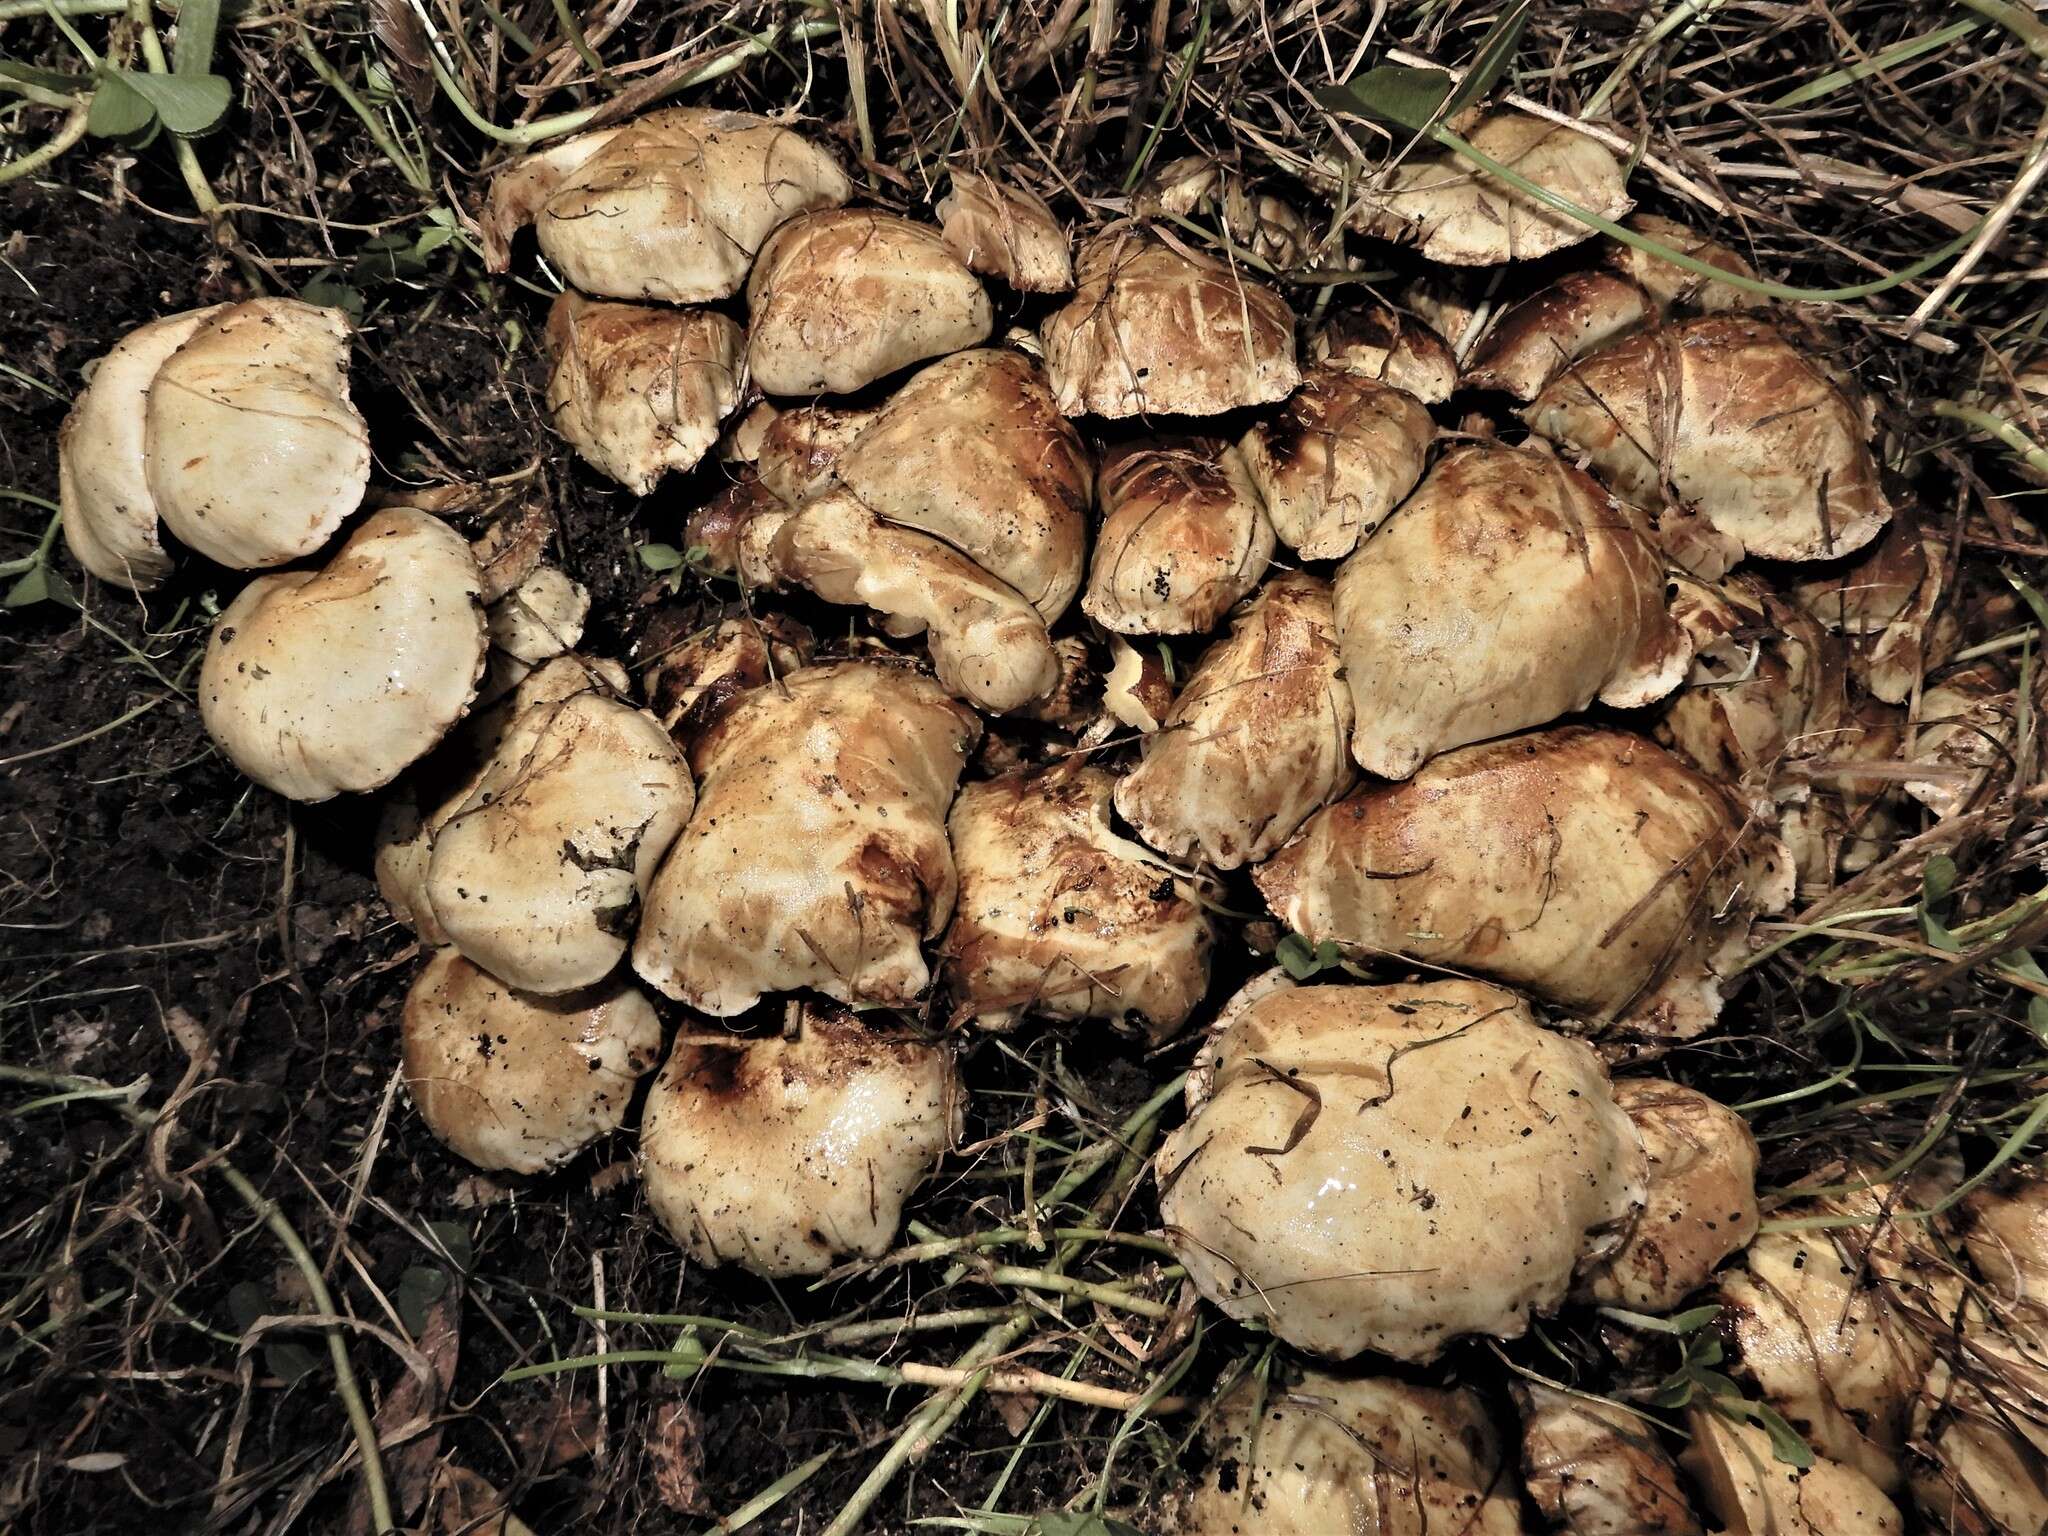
1254 221
818 855
1595 1469
1388 347
1003 230
1849 815
1541 337
1979 1432
1391 1168
1587 865
541 617
786 1154
335 679
843 297
511 1081
1967 724
2005 1230
1135 690
512 546
1749 1492
1258 740
1059 916
639 392
1152 330
1184 535
1888 601
1670 286
695 671
1334 460
1507 591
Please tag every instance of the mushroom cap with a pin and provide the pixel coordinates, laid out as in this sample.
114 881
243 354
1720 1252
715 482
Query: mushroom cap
1391 1168
1980 1428
1135 689
1389 347
109 515
1333 461
538 877
835 780
1888 600
841 298
1456 214
1257 742
1059 916
1752 434
2007 1237
783 1156
1154 330
1595 1469
1554 327
1348 1454
321 681
1672 287
1750 1492
1002 230
1507 591
673 206
255 454
511 1081
638 392
512 546
541 617
1967 723
696 672
1184 535
521 190
1586 865
803 443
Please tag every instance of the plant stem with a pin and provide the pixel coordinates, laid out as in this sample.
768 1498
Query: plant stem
1992 424
68 133
414 173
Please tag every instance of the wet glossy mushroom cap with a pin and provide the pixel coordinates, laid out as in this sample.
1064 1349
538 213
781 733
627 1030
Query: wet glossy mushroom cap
694 671
1750 1492
541 617
1389 347
1546 333
1334 460
1184 535
1003 230
1595 1469
2006 1233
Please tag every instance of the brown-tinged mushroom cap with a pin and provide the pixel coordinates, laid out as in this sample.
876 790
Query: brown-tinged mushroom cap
1546 333
1184 535
818 854
785 1155
2006 1232
1750 1492
1595 1469
694 672
1333 461
1673 287
1589 866
1888 601
1753 436
1507 591
1059 916
1258 740
1003 230
520 190
511 1081
1391 1168
1153 330
1390 347
639 392
255 454
673 206
541 617
109 515
841 298
1454 213
803 443
1967 723
512 546
1136 691
1980 1425
321 681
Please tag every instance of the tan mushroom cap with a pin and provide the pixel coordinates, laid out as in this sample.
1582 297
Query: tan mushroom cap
1752 434
521 1083
1750 1492
1333 461
321 681
1888 599
1390 348
539 876
784 1156
2007 1237
694 673
1328 1454
541 617
1391 1168
1673 287
1507 591
841 298
1546 333
640 392
802 444
1456 214
1002 230
1595 1469
1135 688
1702 1200
1059 916
511 546
1257 742
673 206
1967 722
109 515
818 854
1270 228
1184 535
1849 819
1980 1427
255 454
520 190
1586 865
1153 331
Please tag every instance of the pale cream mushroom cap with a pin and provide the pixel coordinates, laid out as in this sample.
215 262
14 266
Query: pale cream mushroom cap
1589 866
818 854
1184 535
2006 1233
1135 689
1543 335
1391 1168
1390 348
1980 1426
1059 916
510 1081
1258 740
841 298
1333 461
1673 287
1595 1469
1509 590
1753 435
316 682
1153 331
1967 721
1003 230
538 877
1454 213
1333 1455
255 453
109 515
521 189
673 206
784 1156
1750 1492
541 617
640 392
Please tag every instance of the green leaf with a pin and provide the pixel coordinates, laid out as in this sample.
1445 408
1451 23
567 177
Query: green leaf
691 1355
660 557
1296 957
118 111
1785 1442
1071 1523
453 1237
1392 93
32 588
198 24
284 1358
1494 52
48 79
418 1289
327 289
2037 1016
1937 880
185 104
